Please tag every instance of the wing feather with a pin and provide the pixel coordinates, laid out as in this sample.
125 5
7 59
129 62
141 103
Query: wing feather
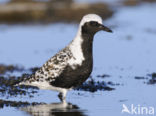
51 69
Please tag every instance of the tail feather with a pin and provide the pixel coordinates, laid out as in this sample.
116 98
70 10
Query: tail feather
18 84
24 80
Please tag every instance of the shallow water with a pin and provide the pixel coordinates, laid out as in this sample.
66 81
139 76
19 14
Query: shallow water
125 54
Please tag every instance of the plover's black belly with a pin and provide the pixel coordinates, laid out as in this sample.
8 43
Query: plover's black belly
73 77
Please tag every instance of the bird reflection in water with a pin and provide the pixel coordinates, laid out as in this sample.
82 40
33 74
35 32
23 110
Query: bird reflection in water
54 109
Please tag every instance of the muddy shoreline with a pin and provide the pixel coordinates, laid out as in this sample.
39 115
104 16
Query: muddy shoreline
50 12
7 88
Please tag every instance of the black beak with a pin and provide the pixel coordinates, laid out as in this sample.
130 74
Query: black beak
104 28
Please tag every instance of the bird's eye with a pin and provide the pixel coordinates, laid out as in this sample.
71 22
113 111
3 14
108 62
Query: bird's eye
93 23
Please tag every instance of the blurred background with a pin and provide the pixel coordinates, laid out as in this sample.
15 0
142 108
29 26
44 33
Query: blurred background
32 31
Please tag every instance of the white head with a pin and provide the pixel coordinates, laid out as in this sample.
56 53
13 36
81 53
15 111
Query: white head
91 17
92 23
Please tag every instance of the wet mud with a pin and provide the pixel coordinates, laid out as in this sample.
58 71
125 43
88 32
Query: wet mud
152 79
149 79
8 88
8 82
50 12
7 103
9 68
136 2
92 85
103 76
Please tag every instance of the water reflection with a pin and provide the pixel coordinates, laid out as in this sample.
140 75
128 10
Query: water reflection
54 109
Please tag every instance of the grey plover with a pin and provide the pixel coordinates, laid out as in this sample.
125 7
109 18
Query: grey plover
71 66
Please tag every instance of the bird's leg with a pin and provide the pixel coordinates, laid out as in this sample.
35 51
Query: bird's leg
62 96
